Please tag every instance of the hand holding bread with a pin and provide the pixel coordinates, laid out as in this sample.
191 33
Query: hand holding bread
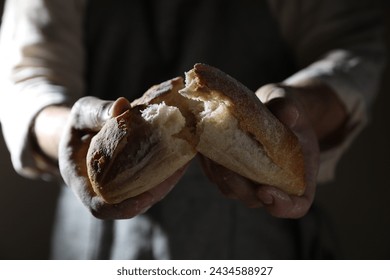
212 114
288 109
86 119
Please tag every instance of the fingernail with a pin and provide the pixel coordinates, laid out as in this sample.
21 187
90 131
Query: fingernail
119 106
267 199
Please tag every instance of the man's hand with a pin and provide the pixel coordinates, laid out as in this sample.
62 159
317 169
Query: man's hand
69 143
301 109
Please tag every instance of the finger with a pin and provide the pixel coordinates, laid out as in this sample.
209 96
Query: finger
207 168
291 113
286 111
126 209
270 91
231 184
91 113
119 107
241 188
212 171
157 193
134 206
279 204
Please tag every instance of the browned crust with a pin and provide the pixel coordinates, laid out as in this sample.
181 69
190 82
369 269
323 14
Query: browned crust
115 148
166 91
104 149
281 145
125 141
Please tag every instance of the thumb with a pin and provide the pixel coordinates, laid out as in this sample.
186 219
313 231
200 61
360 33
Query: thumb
119 106
286 110
279 101
91 113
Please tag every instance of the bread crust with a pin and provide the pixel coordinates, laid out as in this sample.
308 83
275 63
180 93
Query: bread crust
129 155
279 143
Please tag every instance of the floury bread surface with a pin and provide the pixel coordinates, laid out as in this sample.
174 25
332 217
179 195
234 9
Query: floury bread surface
212 114
136 151
237 131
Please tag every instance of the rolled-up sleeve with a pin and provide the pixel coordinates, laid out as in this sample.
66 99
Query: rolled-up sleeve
339 43
42 59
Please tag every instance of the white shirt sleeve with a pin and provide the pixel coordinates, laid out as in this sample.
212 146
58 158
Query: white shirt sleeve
341 44
42 57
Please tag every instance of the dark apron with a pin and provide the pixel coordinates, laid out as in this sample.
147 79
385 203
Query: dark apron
132 45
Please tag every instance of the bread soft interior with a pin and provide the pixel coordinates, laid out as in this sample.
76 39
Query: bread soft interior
173 121
148 155
221 139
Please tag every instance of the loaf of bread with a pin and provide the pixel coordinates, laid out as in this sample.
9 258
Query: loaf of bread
211 114
138 149
237 131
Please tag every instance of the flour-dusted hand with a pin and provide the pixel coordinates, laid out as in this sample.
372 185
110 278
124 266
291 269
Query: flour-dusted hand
87 117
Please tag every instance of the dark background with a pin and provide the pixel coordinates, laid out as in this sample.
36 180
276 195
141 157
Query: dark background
357 203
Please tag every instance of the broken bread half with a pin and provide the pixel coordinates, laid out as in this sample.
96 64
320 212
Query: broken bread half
137 150
236 130
212 114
